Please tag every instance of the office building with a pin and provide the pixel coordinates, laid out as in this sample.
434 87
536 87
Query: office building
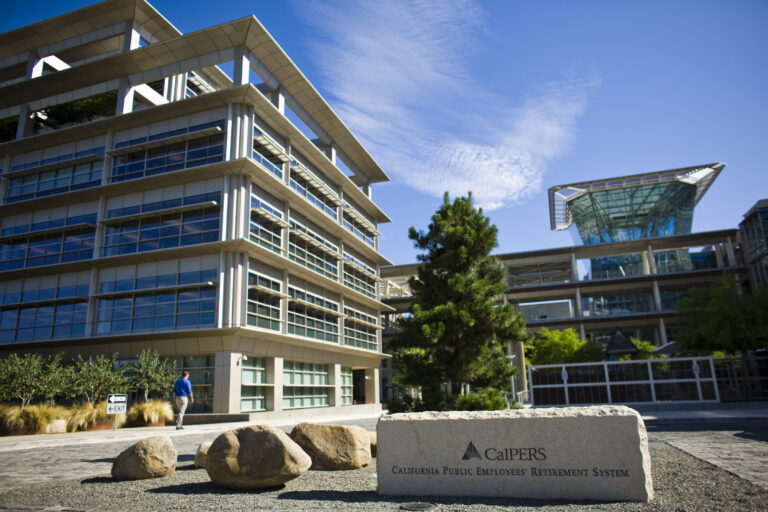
635 257
754 233
152 200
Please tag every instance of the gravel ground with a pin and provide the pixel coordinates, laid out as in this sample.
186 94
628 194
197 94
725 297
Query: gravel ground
681 482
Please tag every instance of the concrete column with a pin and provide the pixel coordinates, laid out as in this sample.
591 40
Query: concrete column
730 252
227 285
340 322
372 385
239 290
106 172
90 315
125 95
657 296
663 331
226 382
132 38
24 126
278 100
582 332
574 267
284 305
330 152
646 263
221 297
335 379
579 309
275 374
519 361
242 72
4 183
719 256
652 261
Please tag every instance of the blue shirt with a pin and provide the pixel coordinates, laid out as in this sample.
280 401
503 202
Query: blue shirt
182 387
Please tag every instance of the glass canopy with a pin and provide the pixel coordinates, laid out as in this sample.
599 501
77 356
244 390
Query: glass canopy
632 207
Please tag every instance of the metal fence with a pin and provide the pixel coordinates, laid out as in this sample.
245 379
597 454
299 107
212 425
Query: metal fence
678 380
742 379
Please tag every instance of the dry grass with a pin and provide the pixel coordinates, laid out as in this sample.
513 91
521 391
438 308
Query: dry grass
31 420
85 415
150 412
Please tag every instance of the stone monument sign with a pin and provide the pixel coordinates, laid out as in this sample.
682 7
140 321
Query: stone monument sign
596 452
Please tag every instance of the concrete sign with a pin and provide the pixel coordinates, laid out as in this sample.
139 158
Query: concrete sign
598 453
117 404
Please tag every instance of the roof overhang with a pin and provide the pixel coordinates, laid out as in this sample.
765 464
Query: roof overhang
560 216
212 46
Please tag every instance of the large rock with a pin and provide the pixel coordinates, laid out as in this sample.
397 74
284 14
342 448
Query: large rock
153 457
334 447
374 443
583 453
202 454
255 457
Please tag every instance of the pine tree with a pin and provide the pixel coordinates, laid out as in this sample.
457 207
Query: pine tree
457 331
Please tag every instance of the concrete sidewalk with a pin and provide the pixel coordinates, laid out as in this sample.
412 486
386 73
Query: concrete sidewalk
651 414
26 442
723 436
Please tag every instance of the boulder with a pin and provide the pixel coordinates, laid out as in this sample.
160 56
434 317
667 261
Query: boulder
255 457
334 447
202 454
153 457
374 441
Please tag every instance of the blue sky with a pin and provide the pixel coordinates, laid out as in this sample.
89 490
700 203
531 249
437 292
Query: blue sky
509 98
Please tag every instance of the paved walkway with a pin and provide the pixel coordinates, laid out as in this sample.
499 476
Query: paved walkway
735 440
34 459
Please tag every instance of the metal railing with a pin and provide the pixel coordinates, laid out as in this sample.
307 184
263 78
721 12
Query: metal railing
687 379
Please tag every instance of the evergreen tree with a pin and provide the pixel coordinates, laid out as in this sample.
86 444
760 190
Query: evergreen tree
458 331
723 317
152 375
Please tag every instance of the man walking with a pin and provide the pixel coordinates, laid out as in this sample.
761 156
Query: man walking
182 395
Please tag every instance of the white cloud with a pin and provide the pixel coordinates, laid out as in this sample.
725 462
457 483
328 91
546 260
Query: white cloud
397 76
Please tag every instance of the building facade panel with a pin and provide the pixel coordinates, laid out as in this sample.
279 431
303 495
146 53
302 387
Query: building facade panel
151 201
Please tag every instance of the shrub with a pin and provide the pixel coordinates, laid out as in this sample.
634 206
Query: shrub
85 415
31 419
150 412
487 399
10 420
407 403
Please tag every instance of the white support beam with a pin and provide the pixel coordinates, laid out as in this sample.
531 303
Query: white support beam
131 36
150 95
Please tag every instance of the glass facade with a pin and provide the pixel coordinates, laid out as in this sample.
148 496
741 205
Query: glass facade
346 385
153 311
252 390
56 181
305 385
360 329
610 305
263 302
201 376
307 254
167 158
47 249
164 231
634 212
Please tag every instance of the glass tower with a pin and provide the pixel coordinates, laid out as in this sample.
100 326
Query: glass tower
635 207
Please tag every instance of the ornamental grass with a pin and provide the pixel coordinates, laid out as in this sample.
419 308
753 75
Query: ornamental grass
32 419
84 416
151 411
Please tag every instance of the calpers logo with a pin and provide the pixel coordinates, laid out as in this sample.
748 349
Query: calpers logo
471 452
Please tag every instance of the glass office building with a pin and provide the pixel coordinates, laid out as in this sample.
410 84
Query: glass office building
634 258
148 199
